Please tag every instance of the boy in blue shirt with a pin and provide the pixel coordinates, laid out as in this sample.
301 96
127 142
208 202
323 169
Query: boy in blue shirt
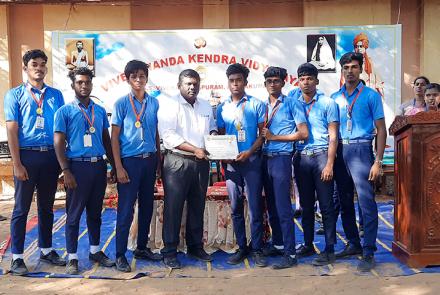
313 164
243 116
136 151
284 123
361 116
83 125
29 114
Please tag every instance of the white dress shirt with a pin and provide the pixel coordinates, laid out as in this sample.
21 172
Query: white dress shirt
180 122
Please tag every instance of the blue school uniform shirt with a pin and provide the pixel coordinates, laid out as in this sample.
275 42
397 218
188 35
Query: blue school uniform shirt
130 137
71 121
320 111
367 109
20 107
290 114
248 113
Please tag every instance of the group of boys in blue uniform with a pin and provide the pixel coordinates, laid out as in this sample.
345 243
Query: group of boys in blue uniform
326 140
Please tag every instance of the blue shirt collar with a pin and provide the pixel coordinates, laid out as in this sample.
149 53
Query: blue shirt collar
358 88
315 97
243 99
80 103
27 84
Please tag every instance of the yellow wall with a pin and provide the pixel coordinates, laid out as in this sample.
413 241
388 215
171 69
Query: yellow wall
430 65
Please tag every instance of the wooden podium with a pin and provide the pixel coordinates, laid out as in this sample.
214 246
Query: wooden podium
417 189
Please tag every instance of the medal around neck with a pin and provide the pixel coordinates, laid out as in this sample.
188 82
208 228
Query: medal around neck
39 111
92 129
137 124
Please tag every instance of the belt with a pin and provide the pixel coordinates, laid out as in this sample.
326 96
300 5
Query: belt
87 159
312 153
44 148
143 156
186 156
274 154
351 141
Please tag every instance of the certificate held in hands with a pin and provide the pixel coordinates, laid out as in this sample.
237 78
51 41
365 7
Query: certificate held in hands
221 147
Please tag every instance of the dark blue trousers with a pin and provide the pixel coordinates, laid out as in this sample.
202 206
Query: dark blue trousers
308 171
352 168
142 175
246 178
91 180
277 175
184 179
43 171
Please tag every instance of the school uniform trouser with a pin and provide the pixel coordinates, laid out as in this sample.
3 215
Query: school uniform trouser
142 175
184 179
245 178
277 173
43 171
352 168
308 171
91 180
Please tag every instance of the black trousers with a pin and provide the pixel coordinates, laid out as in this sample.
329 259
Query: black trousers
184 179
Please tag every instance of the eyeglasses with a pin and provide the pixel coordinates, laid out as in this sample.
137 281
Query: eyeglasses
274 81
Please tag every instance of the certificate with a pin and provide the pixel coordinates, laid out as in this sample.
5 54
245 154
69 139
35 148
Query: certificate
221 147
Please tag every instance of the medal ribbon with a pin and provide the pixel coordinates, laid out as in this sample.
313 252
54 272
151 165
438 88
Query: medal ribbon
39 102
267 120
138 115
310 108
91 122
350 108
240 124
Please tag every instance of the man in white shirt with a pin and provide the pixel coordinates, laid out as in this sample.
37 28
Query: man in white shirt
183 123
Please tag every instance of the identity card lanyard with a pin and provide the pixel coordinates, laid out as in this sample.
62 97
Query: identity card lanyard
267 120
239 124
139 116
350 109
39 123
91 129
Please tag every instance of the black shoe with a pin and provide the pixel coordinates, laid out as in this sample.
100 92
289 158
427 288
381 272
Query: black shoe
2 218
270 250
199 254
102 259
298 213
366 264
146 254
18 268
72 267
238 256
122 264
305 251
320 231
286 262
324 258
349 250
259 258
53 258
172 262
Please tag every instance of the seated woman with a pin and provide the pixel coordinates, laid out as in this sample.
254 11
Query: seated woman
417 104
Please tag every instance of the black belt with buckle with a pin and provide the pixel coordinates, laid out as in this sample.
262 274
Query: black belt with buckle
86 159
37 148
312 153
143 155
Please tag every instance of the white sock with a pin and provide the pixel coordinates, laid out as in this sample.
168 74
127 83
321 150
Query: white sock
17 256
292 256
94 249
73 256
46 251
279 247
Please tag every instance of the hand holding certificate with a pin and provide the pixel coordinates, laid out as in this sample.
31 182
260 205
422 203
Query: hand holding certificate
221 147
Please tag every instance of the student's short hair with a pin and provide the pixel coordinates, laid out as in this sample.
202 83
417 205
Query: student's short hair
133 66
307 69
83 71
423 78
351 56
33 54
275 72
237 69
188 73
79 41
434 86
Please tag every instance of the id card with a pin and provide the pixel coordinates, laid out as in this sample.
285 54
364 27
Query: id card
87 140
39 124
241 136
349 125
